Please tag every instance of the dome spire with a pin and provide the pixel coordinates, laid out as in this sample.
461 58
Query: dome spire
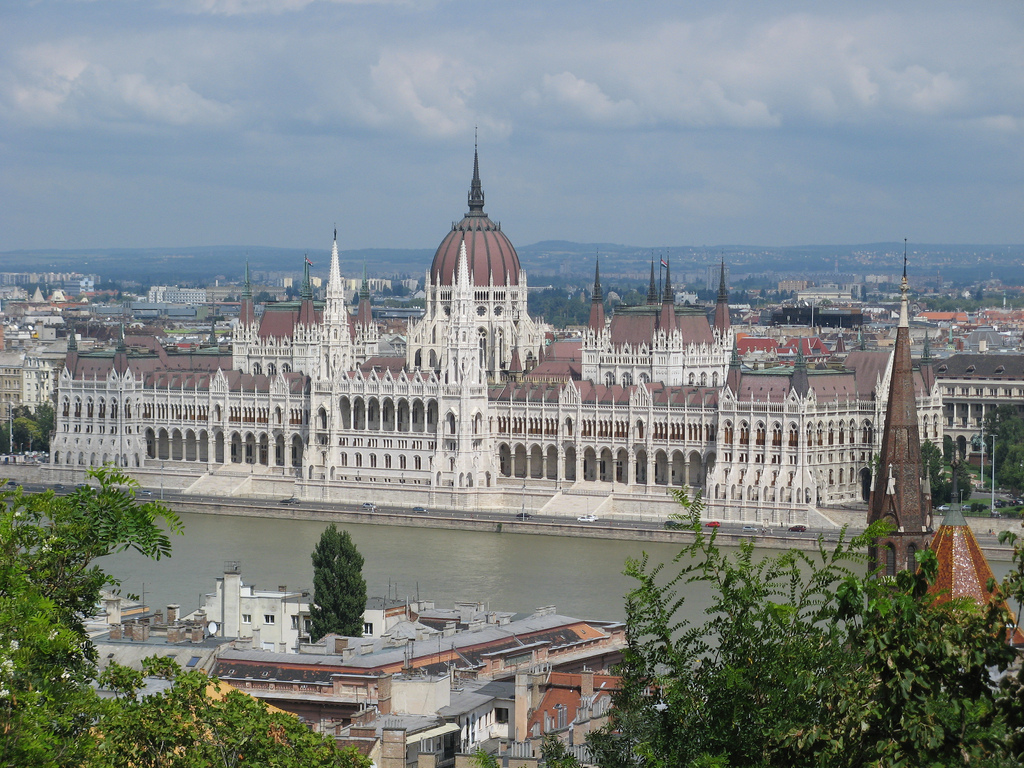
476 190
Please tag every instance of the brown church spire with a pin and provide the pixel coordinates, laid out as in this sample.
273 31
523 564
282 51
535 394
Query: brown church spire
722 307
898 493
597 302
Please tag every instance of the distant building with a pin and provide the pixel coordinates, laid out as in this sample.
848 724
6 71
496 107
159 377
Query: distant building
172 294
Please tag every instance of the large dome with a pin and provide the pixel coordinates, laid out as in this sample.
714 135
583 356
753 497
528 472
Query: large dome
488 251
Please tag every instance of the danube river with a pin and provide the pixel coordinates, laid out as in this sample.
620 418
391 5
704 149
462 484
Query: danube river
512 572
582 577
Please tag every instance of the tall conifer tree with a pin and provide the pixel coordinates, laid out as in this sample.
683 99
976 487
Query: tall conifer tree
339 590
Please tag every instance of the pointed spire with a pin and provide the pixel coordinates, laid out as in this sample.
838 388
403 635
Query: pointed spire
72 340
212 341
121 346
476 190
246 313
900 467
364 314
722 307
734 376
247 287
307 286
926 353
861 343
364 287
652 289
597 301
669 296
334 286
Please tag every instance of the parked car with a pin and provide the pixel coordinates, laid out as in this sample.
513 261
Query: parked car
943 508
523 515
798 528
422 510
587 518
713 524
673 524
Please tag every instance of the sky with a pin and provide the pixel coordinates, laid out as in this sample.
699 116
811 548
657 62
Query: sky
163 123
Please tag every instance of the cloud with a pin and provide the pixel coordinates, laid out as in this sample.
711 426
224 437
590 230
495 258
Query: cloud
587 99
60 85
261 7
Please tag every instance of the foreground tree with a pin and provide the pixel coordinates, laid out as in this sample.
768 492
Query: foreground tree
198 722
803 661
49 584
339 590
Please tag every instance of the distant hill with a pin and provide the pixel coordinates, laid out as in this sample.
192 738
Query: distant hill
549 260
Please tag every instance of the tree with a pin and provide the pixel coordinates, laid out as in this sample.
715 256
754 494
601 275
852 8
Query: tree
199 722
339 590
48 585
802 661
942 487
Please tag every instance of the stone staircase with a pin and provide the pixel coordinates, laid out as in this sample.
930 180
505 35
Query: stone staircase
227 480
572 503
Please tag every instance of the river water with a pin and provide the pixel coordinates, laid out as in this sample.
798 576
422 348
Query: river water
582 577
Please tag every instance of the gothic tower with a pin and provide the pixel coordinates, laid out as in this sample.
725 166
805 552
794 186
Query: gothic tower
899 492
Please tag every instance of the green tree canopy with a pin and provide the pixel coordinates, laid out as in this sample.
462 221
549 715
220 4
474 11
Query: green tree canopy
803 660
339 590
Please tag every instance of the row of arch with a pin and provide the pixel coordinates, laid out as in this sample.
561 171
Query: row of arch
96 459
218 447
603 465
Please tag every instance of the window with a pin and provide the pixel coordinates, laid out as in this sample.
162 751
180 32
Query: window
501 714
367 628
295 621
247 618
268 618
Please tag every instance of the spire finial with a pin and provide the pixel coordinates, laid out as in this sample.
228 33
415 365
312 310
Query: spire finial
652 289
476 190
598 295
904 291
247 288
669 297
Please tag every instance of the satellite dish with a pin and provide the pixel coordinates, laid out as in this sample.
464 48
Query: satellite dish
212 627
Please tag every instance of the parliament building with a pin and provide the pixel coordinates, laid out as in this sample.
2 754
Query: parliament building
486 410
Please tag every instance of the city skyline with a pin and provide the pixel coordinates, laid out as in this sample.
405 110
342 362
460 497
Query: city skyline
267 122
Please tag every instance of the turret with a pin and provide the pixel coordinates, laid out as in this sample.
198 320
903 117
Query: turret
667 321
652 290
597 302
722 307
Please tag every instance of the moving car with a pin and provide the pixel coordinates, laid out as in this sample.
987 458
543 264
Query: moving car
419 509
712 524
673 524
369 506
749 527
292 500
523 515
798 528
587 518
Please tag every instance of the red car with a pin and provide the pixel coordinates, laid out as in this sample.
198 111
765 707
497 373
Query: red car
713 524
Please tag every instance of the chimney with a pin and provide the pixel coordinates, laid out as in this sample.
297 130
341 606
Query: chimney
113 608
172 613
175 633
384 695
340 644
198 634
116 631
586 684
140 631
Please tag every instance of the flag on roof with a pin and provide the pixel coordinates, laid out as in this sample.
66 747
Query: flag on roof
664 263
308 261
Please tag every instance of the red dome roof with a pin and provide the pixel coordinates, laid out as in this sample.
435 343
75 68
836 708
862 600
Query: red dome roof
488 251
